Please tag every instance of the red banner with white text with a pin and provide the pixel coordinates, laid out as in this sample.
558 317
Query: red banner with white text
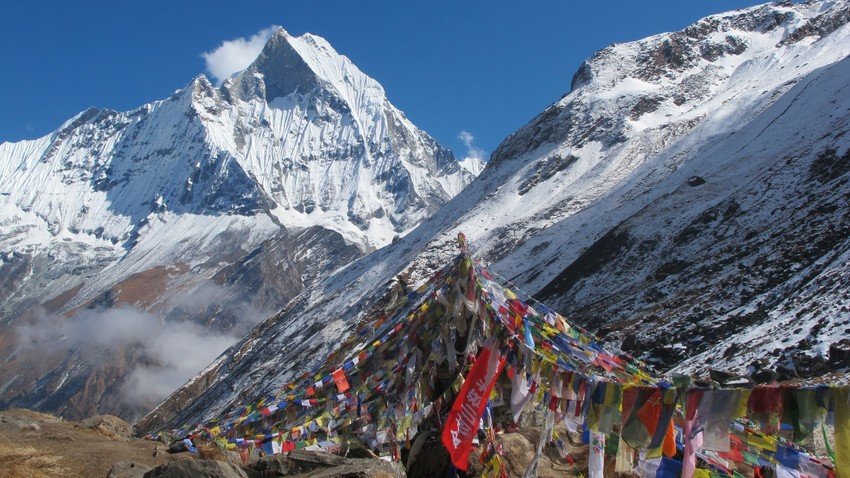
462 422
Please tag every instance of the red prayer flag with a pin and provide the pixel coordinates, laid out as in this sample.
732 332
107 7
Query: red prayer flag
462 422
341 381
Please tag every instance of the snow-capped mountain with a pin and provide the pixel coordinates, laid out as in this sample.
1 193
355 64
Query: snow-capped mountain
216 205
686 199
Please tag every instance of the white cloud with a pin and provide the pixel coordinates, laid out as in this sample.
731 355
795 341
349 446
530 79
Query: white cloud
181 351
173 351
472 151
169 352
475 158
237 54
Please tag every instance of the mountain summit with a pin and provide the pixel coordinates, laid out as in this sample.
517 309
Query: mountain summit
213 207
396 174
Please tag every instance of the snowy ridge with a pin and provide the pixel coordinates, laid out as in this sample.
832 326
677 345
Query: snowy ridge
628 205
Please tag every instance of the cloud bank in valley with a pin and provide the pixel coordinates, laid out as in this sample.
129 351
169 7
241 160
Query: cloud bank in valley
173 351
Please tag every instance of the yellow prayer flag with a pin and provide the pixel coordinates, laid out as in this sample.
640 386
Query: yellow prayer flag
744 397
493 468
762 441
841 396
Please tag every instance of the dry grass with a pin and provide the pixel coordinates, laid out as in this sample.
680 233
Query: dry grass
35 445
18 461
210 451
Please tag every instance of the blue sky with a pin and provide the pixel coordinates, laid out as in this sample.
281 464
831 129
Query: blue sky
485 67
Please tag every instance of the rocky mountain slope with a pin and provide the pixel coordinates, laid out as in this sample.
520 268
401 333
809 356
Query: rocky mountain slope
212 208
686 199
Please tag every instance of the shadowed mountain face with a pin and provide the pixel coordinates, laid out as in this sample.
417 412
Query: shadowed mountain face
686 199
196 217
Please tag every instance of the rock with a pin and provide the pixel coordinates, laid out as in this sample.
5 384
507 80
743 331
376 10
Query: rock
761 373
165 438
695 181
809 366
196 469
19 423
765 376
182 445
128 469
211 451
15 420
322 465
760 364
110 426
315 459
839 354
362 468
298 461
432 459
786 373
519 449
728 379
269 467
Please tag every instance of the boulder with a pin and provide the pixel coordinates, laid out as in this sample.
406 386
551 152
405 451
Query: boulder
184 445
765 376
519 448
839 354
211 451
361 468
8 421
315 464
269 467
191 468
695 181
128 469
432 459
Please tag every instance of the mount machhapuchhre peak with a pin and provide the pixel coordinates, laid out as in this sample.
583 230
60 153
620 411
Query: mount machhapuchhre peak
208 211
686 201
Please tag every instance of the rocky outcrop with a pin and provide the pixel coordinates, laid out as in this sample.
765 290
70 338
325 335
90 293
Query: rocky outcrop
322 465
192 468
110 426
128 469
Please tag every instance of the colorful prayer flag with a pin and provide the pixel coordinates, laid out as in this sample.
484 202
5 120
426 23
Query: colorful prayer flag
462 422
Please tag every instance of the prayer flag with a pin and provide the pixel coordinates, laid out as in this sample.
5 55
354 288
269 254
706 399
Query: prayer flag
841 396
520 394
692 433
462 422
341 381
529 340
596 461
